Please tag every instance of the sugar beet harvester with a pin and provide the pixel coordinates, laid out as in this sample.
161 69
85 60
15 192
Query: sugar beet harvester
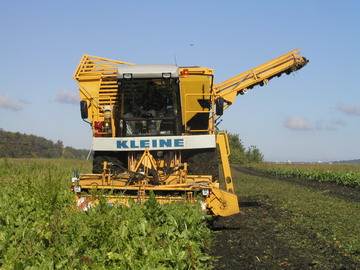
154 130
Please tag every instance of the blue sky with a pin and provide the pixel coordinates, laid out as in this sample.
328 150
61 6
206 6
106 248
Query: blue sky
309 116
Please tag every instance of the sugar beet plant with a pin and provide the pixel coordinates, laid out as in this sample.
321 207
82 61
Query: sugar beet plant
40 229
346 178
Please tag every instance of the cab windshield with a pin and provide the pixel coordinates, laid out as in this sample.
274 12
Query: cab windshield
149 107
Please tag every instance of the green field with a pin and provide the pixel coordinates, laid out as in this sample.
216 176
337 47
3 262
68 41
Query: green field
40 227
343 174
312 166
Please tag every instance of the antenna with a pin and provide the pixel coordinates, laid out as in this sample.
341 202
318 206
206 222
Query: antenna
175 59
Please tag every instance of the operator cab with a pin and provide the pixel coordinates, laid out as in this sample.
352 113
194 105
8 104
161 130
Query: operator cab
149 101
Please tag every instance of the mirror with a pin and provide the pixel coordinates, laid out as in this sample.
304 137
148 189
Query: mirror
219 102
84 109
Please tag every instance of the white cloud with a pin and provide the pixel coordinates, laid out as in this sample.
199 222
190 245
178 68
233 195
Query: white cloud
350 109
65 96
7 103
295 123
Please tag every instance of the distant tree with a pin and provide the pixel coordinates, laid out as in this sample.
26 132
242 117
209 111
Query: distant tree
239 154
237 149
254 155
59 148
17 145
70 152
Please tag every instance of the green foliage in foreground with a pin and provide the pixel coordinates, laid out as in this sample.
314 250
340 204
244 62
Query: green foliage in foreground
40 230
346 178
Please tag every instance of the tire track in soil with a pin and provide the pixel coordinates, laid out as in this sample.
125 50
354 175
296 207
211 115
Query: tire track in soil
252 240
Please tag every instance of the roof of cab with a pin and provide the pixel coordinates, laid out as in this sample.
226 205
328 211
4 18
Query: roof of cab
148 71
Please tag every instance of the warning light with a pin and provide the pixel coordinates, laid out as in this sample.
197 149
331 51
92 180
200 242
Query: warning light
185 73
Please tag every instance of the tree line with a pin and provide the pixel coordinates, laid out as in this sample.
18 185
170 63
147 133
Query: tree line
18 145
241 155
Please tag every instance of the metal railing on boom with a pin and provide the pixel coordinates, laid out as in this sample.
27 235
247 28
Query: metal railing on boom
260 75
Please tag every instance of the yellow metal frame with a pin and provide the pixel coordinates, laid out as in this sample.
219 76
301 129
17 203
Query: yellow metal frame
224 147
287 63
97 79
93 66
196 82
217 201
211 129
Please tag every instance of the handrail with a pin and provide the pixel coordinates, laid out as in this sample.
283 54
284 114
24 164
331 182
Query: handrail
97 65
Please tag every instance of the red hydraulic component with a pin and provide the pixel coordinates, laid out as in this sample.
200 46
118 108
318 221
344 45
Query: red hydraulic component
98 126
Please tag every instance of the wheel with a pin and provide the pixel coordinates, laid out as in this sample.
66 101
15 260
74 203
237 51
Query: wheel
116 158
203 162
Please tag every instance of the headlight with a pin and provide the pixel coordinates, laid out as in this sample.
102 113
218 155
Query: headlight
205 192
127 76
74 179
166 76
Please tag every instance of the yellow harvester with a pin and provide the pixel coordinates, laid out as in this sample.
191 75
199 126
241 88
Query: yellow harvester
154 130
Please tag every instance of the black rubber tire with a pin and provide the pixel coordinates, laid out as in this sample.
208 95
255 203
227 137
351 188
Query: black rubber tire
203 162
116 158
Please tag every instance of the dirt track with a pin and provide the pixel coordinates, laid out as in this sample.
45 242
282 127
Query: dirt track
253 239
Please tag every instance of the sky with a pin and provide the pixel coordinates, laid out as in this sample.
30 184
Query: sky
312 115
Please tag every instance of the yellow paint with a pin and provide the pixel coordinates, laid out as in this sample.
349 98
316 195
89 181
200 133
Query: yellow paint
197 85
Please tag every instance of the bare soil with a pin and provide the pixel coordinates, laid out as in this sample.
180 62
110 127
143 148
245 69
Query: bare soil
253 239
